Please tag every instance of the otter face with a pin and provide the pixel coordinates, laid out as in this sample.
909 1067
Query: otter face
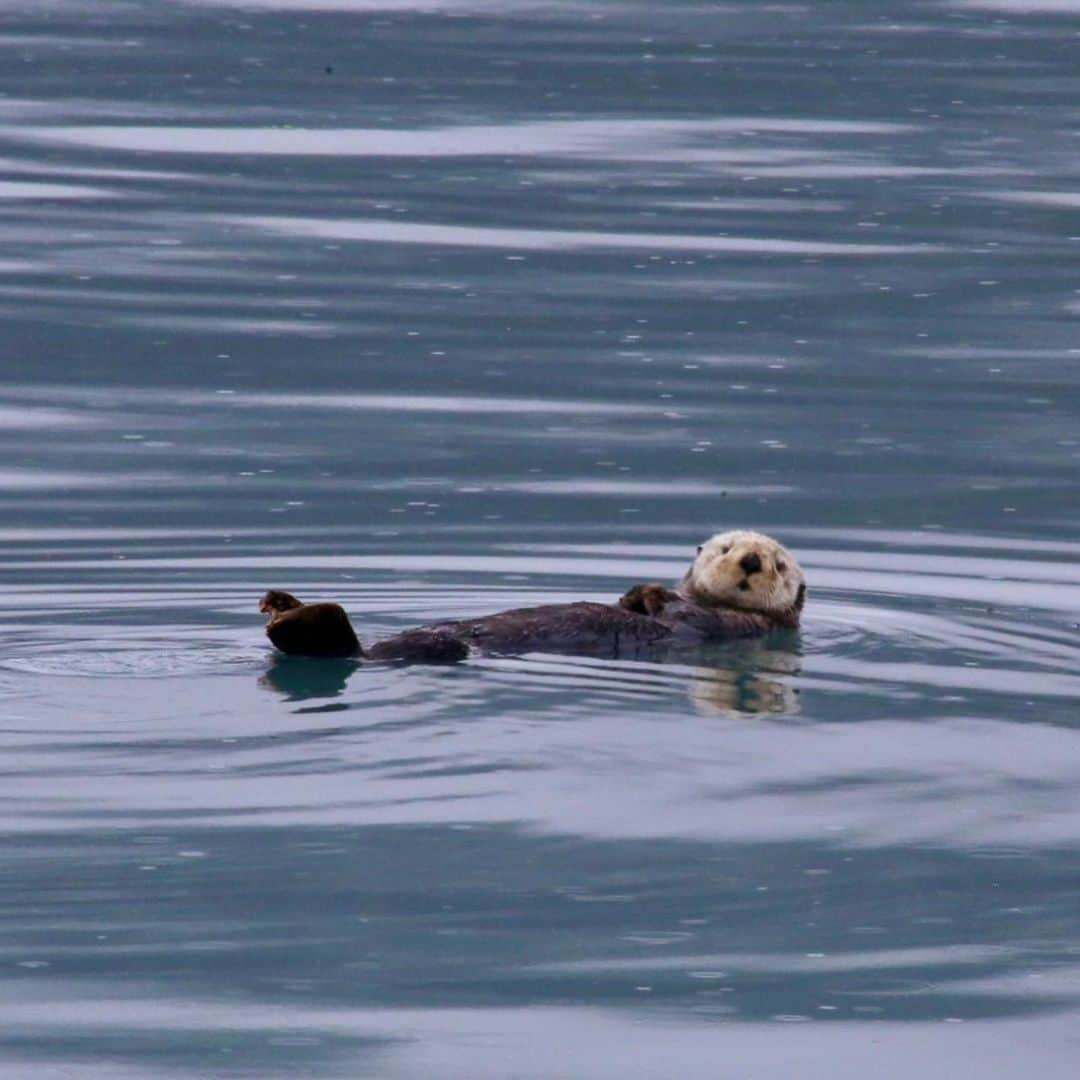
277 601
745 570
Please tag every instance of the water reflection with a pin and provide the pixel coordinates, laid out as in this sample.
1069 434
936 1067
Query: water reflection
299 678
762 683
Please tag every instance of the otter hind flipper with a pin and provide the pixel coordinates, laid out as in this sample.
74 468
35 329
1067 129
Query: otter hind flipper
314 630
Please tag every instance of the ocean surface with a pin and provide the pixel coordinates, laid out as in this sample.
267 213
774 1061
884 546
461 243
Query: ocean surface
440 308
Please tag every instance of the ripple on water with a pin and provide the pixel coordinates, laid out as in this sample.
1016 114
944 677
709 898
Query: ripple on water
150 660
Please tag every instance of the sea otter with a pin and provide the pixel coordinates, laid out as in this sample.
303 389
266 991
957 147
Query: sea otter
740 584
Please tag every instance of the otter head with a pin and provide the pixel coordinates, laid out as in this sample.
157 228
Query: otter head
746 570
276 602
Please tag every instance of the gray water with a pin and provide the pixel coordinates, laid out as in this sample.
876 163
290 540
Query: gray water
440 308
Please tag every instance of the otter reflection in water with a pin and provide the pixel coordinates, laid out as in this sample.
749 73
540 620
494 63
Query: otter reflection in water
740 584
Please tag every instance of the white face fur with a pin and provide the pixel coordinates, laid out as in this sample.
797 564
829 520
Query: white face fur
745 570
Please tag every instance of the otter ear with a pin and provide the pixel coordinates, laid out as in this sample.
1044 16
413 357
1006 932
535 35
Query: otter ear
800 598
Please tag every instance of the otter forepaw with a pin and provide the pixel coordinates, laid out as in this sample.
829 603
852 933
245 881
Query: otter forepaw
647 599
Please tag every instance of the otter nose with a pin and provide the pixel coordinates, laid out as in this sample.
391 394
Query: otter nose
750 564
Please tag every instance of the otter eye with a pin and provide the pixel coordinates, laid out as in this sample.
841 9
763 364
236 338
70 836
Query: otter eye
725 549
781 565
699 548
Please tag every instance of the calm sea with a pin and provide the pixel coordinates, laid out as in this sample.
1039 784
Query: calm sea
439 308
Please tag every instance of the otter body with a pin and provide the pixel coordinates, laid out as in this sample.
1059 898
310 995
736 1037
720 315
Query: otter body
739 585
585 629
